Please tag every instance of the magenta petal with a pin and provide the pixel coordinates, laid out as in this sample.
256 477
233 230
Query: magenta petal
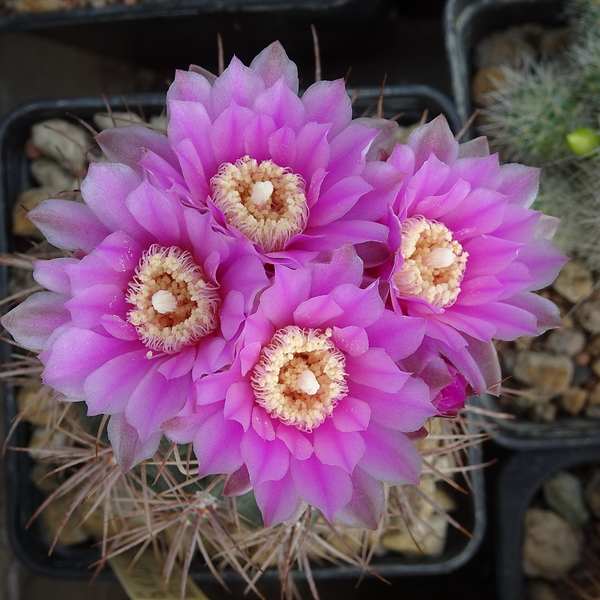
434 138
477 147
351 414
282 146
68 225
351 340
267 460
345 267
90 304
339 448
189 86
348 153
278 500
544 260
105 190
360 306
127 145
279 302
375 369
75 354
312 156
316 310
338 200
107 389
217 446
33 321
282 105
237 84
366 504
407 337
328 102
390 456
521 183
231 314
405 412
121 253
239 402
325 487
545 312
155 399
256 137
213 388
262 423
238 483
52 275
156 213
128 447
179 364
227 133
194 170
296 441
273 63
183 429
119 328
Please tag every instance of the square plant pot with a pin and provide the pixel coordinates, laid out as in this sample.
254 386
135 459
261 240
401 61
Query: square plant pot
72 562
466 23
170 33
519 481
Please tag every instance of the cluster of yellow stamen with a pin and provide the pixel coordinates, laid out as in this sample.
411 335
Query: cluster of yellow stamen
175 305
300 377
434 263
264 201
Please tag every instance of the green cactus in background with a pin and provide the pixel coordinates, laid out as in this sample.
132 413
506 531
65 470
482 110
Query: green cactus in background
533 111
548 114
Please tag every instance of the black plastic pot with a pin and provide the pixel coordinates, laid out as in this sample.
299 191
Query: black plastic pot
24 498
466 22
173 33
520 479
522 434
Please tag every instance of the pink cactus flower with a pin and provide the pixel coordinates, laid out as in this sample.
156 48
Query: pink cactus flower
152 298
315 409
289 173
468 250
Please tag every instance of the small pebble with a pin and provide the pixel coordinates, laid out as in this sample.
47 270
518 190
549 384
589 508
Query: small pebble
550 545
567 341
64 142
563 493
50 174
592 493
540 590
548 373
28 200
574 282
573 400
588 314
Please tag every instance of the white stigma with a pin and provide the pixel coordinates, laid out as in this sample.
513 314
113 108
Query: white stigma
308 383
164 302
261 193
439 258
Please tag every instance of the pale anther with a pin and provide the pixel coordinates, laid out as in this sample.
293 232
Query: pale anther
164 302
308 383
261 193
439 258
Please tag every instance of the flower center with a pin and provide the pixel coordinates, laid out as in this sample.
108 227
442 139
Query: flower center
300 377
175 305
263 200
434 263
